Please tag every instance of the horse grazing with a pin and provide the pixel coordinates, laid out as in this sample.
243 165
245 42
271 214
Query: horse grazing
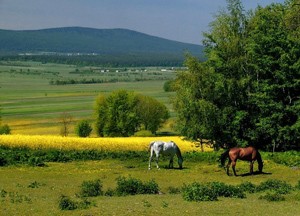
250 154
165 148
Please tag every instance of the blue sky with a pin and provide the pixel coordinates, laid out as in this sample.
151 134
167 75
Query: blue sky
180 20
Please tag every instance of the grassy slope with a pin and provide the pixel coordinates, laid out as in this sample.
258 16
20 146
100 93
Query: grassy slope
66 178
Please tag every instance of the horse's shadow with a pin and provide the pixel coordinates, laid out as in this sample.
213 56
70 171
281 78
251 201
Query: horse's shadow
254 173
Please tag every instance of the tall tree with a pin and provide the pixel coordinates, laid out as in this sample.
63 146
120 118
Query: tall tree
151 113
251 93
274 55
123 113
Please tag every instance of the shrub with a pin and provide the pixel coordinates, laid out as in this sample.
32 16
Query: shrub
65 203
272 197
110 192
132 186
150 187
4 129
143 133
278 186
174 190
3 161
83 129
198 192
248 187
91 188
298 185
288 158
221 189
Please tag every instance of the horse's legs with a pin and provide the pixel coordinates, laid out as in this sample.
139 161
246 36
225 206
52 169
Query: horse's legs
171 163
157 157
233 167
251 167
150 159
227 167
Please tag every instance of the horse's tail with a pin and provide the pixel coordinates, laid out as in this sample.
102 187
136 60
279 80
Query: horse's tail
150 145
259 161
179 156
178 152
223 157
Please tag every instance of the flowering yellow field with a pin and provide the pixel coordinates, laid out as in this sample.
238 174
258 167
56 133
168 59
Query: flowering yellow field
104 144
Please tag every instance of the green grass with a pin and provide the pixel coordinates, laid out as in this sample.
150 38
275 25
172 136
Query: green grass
30 105
58 179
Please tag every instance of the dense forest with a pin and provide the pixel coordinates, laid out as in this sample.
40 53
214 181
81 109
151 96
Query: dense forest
87 46
247 92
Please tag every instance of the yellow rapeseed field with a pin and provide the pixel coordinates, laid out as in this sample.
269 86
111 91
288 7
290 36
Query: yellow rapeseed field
103 144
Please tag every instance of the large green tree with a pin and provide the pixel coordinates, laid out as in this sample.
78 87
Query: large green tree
116 114
249 85
274 53
123 113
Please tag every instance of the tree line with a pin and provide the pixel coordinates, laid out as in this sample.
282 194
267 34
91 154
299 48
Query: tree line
247 91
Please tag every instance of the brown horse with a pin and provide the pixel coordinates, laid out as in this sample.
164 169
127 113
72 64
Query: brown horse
250 154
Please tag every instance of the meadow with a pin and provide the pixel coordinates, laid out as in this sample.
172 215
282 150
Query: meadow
32 104
38 167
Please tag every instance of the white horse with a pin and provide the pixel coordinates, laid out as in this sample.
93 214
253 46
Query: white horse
165 148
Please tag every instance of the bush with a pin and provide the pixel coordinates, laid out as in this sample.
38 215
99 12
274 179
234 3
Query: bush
143 133
4 129
247 187
83 129
298 185
65 203
278 186
198 192
132 186
174 190
272 197
91 188
288 158
221 189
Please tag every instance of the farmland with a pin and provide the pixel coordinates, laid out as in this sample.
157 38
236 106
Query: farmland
49 166
32 103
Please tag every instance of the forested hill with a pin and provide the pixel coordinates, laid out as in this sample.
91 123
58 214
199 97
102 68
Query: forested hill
89 41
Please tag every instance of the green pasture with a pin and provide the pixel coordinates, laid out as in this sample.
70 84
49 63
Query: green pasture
56 179
31 105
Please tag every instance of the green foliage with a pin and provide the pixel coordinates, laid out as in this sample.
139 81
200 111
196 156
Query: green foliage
123 113
4 129
271 197
288 158
221 189
133 186
151 113
65 203
169 86
83 128
91 188
248 187
298 185
198 192
275 185
247 90
143 133
174 190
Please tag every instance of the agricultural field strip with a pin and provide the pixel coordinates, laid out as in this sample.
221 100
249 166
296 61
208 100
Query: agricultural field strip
103 144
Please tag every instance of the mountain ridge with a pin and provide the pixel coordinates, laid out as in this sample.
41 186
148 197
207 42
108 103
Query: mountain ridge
91 40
